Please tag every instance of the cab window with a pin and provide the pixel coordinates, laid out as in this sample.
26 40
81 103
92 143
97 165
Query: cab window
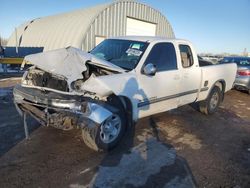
163 56
187 59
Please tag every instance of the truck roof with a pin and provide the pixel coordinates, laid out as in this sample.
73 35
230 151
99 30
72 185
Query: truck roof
148 38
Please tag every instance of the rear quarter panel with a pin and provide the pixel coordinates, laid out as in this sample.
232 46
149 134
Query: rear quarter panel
215 73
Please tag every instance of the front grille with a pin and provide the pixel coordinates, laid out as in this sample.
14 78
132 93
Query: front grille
44 79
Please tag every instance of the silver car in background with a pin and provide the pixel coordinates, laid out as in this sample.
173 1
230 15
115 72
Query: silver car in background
242 81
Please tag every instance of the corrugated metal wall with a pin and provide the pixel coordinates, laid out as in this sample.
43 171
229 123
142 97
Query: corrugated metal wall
79 28
111 21
57 31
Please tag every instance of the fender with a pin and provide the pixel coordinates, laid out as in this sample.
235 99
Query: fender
223 83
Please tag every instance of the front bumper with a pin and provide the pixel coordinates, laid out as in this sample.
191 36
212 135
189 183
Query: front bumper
242 82
59 110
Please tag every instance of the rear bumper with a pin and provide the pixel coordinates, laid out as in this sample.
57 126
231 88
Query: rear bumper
242 82
59 110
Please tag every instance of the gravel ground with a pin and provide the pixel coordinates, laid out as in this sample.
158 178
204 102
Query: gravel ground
180 148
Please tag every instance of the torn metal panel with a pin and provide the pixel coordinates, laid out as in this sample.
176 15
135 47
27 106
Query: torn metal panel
95 85
51 108
125 84
60 62
68 62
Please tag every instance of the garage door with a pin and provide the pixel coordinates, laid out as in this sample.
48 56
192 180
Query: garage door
140 28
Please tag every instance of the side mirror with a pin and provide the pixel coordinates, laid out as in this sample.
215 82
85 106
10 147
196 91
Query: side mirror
149 69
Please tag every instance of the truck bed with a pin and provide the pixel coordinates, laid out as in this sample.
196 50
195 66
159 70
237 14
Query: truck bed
215 73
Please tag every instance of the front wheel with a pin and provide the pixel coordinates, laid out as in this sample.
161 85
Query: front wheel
106 136
211 104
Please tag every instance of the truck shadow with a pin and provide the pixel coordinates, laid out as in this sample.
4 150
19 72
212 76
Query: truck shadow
143 160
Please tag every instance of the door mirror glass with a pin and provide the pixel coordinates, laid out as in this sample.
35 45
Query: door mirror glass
149 69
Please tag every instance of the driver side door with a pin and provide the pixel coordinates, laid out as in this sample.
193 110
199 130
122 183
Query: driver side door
160 90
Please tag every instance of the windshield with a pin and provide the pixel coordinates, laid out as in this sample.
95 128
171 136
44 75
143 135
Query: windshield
123 53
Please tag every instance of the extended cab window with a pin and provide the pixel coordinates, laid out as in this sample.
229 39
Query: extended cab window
187 59
163 56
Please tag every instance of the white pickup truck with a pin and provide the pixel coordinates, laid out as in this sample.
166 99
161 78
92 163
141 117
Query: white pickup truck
120 81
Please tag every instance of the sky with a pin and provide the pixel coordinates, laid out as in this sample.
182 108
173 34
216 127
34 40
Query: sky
214 26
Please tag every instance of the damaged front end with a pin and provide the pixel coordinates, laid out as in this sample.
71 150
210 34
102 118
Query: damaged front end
57 89
59 110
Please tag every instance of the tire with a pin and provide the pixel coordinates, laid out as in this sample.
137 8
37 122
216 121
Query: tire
211 104
94 135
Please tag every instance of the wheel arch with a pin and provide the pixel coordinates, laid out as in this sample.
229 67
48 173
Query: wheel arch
221 84
127 106
203 105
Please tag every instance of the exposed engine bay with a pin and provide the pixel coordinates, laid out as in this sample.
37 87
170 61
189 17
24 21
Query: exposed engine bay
38 77
41 78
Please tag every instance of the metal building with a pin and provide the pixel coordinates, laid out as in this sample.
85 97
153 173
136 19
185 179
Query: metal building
86 28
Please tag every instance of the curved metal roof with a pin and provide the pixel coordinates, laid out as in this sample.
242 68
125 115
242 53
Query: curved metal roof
56 31
73 28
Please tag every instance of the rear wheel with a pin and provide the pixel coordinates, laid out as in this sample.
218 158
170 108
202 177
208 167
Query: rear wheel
211 104
105 136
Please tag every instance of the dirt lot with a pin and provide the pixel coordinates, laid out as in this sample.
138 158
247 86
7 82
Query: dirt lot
181 148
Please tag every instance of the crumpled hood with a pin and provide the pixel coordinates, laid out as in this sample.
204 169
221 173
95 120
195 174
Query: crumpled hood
68 62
